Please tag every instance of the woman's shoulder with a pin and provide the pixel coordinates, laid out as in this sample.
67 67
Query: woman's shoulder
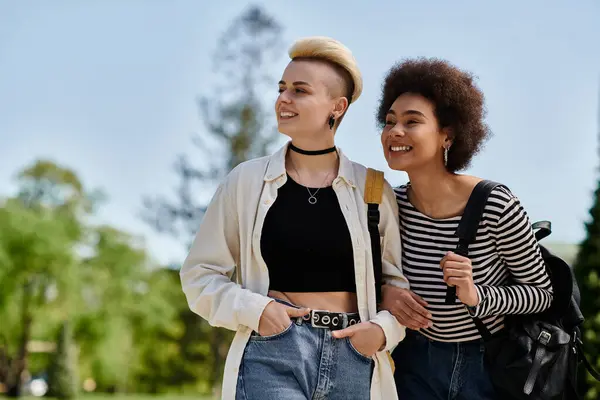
500 193
400 191
502 203
358 174
244 178
255 167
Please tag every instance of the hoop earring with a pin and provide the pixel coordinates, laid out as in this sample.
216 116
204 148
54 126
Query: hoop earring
331 121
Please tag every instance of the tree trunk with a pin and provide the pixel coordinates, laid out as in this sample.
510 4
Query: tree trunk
4 362
19 365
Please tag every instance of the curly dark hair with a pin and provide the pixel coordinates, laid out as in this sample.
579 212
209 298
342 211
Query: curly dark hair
458 103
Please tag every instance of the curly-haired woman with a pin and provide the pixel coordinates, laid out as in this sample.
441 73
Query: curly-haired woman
432 116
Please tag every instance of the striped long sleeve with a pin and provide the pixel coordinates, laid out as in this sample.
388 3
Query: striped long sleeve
504 253
528 289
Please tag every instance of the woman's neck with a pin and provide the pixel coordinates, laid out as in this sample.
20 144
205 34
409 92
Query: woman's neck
314 142
435 192
313 170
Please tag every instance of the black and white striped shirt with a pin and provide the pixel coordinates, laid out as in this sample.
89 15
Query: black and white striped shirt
505 248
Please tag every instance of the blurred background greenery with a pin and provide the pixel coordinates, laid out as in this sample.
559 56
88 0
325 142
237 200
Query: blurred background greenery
83 307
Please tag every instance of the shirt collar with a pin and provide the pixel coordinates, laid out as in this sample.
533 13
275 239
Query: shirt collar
276 167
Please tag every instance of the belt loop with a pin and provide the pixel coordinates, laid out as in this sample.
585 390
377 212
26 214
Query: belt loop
298 321
345 319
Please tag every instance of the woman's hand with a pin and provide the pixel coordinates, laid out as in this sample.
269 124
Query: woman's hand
367 338
458 272
276 318
406 306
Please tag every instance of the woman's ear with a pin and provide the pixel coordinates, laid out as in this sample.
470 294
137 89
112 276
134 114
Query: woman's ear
340 107
448 137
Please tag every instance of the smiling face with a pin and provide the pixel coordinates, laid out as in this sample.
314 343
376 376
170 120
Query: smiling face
309 92
412 138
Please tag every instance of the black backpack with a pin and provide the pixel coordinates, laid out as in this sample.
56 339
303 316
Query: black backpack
536 356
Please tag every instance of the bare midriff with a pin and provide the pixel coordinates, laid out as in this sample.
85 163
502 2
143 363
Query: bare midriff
327 301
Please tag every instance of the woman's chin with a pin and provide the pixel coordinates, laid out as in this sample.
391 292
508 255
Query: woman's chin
287 129
398 165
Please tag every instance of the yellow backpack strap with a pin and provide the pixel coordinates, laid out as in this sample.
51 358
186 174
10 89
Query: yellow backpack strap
373 197
392 363
374 186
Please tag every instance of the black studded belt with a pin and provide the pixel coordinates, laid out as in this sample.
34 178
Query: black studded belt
330 320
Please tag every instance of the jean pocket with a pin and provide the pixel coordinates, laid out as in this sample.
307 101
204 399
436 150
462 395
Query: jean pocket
360 355
257 337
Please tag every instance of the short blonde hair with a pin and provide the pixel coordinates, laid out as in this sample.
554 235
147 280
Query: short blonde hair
333 52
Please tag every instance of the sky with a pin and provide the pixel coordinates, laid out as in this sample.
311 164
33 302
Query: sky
109 88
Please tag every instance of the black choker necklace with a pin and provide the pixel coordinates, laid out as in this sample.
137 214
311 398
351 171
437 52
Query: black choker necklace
312 152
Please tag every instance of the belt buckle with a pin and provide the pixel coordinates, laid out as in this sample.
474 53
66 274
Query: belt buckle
318 320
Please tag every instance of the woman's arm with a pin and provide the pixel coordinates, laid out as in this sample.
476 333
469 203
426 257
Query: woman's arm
531 289
391 252
207 271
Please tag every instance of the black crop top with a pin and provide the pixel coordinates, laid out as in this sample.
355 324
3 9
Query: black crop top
307 247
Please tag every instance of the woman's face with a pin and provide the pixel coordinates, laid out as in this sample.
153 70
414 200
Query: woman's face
411 137
306 98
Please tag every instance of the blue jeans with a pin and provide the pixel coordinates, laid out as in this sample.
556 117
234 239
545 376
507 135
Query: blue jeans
431 370
303 363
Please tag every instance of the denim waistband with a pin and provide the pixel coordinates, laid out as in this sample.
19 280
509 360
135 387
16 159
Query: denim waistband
419 336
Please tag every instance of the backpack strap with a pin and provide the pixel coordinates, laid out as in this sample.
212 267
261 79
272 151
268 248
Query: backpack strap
543 228
374 186
469 223
467 232
373 196
586 363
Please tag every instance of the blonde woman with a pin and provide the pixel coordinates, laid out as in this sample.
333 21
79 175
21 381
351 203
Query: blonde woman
291 228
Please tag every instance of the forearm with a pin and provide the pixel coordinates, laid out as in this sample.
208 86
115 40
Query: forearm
393 331
514 299
220 301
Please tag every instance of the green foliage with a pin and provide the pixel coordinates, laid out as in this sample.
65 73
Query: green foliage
120 303
37 262
128 319
183 359
62 374
36 251
55 266
587 272
45 183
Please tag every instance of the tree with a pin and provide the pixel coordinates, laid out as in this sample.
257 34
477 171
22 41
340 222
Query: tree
40 228
177 364
55 266
120 304
62 373
237 129
587 272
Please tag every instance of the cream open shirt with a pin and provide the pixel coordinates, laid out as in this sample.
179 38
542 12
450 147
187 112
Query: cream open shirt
225 278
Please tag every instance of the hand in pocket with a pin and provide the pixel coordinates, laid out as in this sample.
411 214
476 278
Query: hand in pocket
367 338
276 318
